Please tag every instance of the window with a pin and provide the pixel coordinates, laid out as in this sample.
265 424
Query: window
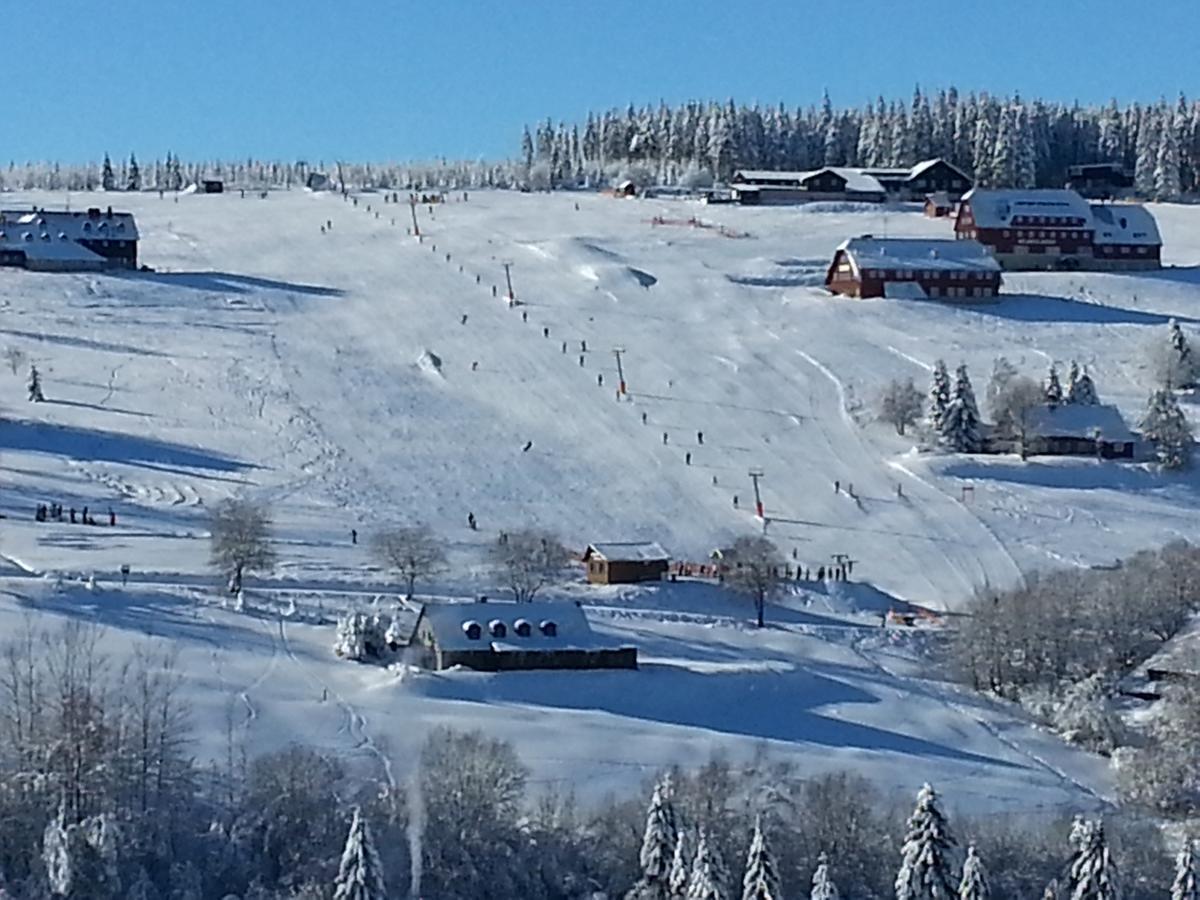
1124 250
549 628
1141 251
497 629
522 628
1007 233
472 630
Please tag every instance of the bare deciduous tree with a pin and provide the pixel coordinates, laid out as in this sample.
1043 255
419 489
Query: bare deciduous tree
241 540
756 571
15 357
1014 408
528 560
414 552
900 404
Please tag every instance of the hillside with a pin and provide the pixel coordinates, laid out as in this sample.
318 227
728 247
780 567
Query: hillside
333 376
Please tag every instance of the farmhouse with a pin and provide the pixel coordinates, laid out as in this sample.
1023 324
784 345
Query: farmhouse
906 267
61 241
1072 429
500 637
870 185
1099 180
1058 229
615 562
938 205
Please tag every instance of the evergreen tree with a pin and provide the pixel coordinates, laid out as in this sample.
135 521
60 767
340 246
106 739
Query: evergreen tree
1186 885
1146 164
939 397
926 867
658 845
1167 427
961 425
1166 164
709 878
984 149
107 180
1052 388
135 175
527 150
1081 389
974 884
1093 872
823 887
360 873
681 866
1177 366
761 879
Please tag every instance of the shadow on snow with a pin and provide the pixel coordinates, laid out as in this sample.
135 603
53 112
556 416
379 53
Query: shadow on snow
232 283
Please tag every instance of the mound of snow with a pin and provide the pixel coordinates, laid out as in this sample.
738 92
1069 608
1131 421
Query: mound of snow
430 362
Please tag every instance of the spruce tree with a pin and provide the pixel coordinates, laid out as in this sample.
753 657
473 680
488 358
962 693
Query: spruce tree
1179 368
135 175
107 180
1166 164
1146 163
1093 872
926 869
823 887
1168 428
974 883
681 866
1186 885
939 397
360 873
658 846
1052 388
761 879
961 426
1081 390
709 878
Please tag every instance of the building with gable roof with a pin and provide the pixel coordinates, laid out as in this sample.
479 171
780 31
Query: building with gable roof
913 268
625 562
505 636
870 185
65 241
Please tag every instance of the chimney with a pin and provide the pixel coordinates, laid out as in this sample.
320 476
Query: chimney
110 212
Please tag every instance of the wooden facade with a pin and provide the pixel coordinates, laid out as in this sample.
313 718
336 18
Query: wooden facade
212 186
868 267
625 563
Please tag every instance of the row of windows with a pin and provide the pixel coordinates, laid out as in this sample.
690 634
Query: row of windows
930 274
1047 220
1050 233
497 629
935 291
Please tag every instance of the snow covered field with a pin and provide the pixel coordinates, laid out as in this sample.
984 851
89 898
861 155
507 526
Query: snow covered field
332 376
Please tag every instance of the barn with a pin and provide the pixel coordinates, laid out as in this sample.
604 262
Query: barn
938 205
625 562
503 637
1058 229
913 268
1073 429
212 186
63 241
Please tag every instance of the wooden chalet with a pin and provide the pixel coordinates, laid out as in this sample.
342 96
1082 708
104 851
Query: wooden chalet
913 268
615 562
1058 229
868 185
1100 180
939 205
1070 429
502 637
62 241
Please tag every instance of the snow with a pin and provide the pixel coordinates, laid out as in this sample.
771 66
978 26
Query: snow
627 551
571 630
904 290
266 359
918 254
995 208
1078 420
1124 223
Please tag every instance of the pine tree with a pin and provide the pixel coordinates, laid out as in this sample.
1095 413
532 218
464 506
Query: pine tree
939 397
107 180
1093 872
1081 390
974 884
135 175
360 874
926 868
1179 367
1168 428
681 866
658 845
761 879
709 878
1166 163
961 425
1186 885
1147 154
823 887
1052 388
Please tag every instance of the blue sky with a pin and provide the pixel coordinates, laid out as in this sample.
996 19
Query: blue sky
371 79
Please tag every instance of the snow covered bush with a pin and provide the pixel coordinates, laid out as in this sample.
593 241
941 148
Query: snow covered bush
1174 365
1081 712
362 636
1168 428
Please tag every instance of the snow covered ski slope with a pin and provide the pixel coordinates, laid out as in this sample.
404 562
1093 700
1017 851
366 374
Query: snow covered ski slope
355 377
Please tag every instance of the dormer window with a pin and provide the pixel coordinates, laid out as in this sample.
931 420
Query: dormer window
549 628
473 630
522 628
497 628
87 226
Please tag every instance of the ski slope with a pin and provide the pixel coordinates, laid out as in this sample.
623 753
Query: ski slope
332 375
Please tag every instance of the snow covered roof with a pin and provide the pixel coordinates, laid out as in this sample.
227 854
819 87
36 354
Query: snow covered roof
1079 420
926 164
1181 654
918 254
627 551
94 224
541 626
1124 223
996 208
769 176
38 244
857 180
940 198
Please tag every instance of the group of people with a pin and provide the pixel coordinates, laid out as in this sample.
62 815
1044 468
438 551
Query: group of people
53 512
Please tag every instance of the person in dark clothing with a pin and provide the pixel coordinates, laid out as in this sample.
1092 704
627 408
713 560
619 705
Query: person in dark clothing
564 346
583 346
475 366
581 362
700 438
600 379
820 573
643 418
85 515
354 535
687 458
112 518
464 319
546 331
524 315
471 521
527 447
664 438
837 487
735 501
72 515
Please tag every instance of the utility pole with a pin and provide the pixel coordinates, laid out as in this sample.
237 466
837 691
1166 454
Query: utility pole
508 279
755 475
412 206
617 351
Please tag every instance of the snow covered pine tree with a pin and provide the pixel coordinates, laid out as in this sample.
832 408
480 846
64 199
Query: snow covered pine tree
960 422
1186 885
939 398
926 868
1093 872
1053 388
360 874
709 879
823 887
1081 389
681 866
658 846
974 884
761 879
1167 426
